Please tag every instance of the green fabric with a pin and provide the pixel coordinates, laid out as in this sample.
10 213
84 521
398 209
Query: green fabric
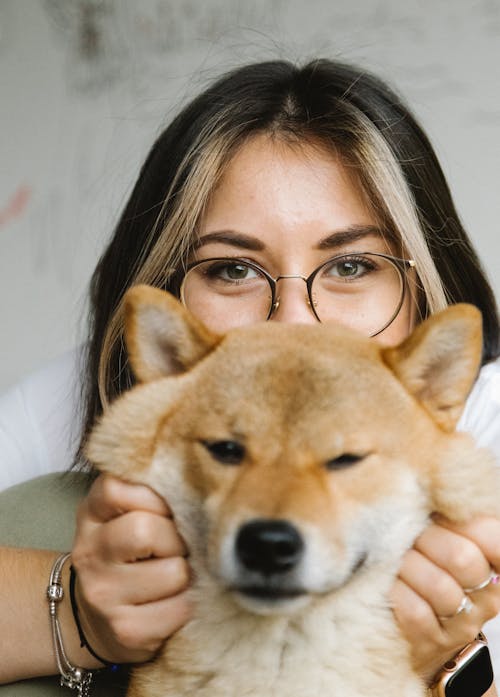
41 514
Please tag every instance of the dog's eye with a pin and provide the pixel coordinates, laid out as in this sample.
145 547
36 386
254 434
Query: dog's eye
343 461
229 452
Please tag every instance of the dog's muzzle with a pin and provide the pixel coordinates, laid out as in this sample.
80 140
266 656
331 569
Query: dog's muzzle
268 552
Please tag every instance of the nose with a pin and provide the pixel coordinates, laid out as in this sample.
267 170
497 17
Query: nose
292 301
269 546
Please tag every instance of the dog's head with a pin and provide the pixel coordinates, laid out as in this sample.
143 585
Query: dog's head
292 455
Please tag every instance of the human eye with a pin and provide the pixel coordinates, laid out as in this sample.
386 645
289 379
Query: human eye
229 271
349 267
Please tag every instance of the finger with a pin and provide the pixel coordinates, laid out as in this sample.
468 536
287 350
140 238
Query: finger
456 554
431 644
415 616
484 531
134 584
152 580
147 626
431 583
136 536
110 497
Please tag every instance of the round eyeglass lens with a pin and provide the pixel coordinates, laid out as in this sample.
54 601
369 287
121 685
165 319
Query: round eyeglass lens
362 291
226 293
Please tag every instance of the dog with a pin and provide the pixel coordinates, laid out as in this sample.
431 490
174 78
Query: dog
301 462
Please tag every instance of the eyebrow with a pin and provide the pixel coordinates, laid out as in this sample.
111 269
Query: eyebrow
236 239
353 233
338 238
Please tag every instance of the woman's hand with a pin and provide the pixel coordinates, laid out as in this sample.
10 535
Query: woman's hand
445 560
132 572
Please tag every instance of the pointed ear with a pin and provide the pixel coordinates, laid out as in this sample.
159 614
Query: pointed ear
438 363
162 337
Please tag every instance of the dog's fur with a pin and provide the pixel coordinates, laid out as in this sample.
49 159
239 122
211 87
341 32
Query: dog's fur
298 399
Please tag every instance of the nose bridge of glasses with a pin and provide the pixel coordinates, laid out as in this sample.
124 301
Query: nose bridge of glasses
290 275
287 277
293 301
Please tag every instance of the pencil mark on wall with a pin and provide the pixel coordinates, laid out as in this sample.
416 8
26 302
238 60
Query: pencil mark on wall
15 205
84 27
123 42
109 41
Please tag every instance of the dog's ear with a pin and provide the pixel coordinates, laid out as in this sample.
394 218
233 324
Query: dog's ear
438 363
162 337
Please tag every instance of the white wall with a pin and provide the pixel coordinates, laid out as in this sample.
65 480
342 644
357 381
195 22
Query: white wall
86 84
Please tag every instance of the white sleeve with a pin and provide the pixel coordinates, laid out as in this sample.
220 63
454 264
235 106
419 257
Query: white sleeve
481 417
39 422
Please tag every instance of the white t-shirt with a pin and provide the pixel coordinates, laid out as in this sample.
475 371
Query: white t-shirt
39 429
39 422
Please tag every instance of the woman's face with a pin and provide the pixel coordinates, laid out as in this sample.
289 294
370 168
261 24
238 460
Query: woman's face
289 209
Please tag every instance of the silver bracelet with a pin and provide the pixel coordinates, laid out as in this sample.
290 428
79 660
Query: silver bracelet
71 676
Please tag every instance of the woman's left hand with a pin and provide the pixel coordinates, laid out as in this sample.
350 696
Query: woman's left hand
445 560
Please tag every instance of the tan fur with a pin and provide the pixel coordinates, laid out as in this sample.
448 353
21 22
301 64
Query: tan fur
295 397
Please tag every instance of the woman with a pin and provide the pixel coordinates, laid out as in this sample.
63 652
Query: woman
280 169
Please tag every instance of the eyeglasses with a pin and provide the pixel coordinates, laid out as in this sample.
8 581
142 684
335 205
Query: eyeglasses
363 290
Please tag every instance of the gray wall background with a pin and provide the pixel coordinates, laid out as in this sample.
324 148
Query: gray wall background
85 85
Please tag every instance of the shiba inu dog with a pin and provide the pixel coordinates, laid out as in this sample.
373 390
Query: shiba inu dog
300 462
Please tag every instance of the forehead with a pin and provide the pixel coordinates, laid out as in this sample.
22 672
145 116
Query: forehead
268 178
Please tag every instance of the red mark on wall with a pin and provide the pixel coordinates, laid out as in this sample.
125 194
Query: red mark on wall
16 205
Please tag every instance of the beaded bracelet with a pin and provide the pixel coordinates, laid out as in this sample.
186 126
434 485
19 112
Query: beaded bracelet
71 676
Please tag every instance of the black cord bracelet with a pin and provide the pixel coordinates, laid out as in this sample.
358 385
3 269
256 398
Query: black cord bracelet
76 616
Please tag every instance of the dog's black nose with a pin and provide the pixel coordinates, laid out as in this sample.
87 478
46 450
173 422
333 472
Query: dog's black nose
269 546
